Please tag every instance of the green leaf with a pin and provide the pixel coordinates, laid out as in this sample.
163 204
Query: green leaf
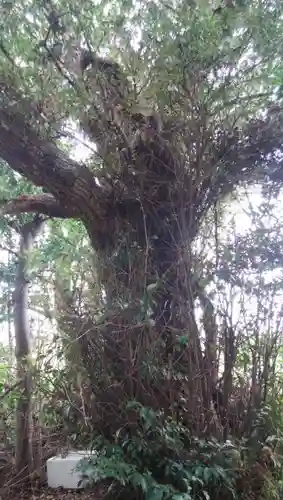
182 496
183 340
199 472
138 480
154 494
152 287
207 474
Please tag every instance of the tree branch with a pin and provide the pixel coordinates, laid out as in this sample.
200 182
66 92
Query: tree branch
10 389
253 154
42 162
44 204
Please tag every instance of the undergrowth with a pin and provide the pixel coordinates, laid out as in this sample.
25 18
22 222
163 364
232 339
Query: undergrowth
161 460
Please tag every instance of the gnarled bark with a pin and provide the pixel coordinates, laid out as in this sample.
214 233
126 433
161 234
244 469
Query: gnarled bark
142 219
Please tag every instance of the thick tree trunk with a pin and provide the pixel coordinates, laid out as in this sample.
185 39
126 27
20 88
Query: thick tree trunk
142 217
24 459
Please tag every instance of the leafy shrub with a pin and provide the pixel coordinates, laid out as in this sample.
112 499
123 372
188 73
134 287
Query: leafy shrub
162 461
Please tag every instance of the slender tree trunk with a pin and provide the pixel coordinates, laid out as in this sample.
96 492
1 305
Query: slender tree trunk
229 363
24 457
10 314
210 355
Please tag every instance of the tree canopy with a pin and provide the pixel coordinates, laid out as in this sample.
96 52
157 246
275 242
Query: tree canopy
213 75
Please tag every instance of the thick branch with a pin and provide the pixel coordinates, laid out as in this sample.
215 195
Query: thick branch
44 164
43 204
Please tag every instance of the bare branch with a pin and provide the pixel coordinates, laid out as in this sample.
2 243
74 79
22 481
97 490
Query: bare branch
9 250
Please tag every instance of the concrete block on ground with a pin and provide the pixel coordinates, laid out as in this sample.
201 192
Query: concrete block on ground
61 471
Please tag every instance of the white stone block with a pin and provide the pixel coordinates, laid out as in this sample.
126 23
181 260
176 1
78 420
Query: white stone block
61 471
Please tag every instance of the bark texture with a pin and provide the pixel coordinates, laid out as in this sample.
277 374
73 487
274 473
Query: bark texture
24 458
158 179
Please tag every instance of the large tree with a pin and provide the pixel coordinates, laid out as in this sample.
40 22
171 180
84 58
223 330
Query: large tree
186 107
